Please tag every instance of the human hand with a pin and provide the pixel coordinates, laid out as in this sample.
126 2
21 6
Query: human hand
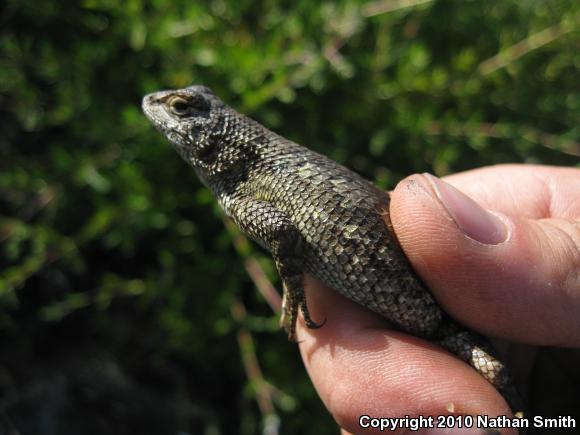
513 274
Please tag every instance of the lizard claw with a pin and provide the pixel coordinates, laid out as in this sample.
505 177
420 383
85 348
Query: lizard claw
308 320
314 325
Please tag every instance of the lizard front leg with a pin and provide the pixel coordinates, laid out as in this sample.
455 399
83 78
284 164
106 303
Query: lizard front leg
273 230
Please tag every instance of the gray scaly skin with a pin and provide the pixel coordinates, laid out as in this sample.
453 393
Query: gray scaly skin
313 215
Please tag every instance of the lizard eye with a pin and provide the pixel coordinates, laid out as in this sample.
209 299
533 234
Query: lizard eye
182 107
179 106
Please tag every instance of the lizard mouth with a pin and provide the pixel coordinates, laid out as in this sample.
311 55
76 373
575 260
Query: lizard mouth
152 108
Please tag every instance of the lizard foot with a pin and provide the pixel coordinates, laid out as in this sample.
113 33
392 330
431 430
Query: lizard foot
294 299
289 315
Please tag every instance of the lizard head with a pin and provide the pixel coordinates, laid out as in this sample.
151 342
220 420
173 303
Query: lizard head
205 131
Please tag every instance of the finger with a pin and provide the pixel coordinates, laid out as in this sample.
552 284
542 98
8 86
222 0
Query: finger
531 191
359 367
504 276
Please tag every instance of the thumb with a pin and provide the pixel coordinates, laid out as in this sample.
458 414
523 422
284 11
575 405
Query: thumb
505 276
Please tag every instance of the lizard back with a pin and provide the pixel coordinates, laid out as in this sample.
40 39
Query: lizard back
345 225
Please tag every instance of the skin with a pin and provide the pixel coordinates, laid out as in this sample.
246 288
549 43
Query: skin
528 285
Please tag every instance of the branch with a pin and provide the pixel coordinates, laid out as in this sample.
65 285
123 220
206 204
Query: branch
525 46
372 9
506 131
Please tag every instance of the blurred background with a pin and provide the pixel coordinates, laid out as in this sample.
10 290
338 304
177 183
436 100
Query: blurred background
126 306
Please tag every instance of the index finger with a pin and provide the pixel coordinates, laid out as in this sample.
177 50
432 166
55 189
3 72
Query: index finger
530 191
360 367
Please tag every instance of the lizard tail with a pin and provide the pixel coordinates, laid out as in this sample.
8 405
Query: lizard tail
476 350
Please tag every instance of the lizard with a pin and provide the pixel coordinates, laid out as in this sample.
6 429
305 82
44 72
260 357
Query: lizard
313 215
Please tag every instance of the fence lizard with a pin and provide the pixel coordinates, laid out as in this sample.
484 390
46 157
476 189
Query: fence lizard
313 215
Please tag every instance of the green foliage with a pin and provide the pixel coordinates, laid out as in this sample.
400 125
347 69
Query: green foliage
109 244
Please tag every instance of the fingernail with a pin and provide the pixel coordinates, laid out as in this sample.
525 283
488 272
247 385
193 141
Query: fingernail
476 222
